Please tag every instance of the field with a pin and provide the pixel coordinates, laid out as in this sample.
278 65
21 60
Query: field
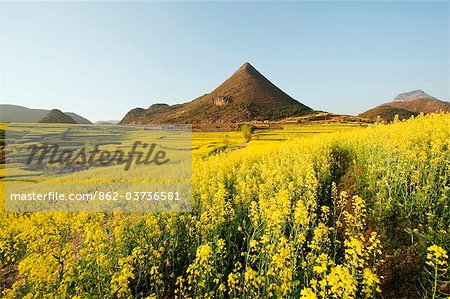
305 211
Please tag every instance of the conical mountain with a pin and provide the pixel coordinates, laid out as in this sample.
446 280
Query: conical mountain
57 116
245 96
247 85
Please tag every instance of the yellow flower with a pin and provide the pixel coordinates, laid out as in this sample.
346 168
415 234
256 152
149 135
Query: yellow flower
204 252
321 264
341 282
253 243
370 283
307 294
437 256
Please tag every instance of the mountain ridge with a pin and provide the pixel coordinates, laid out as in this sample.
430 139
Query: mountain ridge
57 116
413 95
406 105
17 113
246 95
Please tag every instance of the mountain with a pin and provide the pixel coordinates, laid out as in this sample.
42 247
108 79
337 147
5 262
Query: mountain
78 118
406 105
422 105
245 96
387 113
57 116
14 113
107 122
413 95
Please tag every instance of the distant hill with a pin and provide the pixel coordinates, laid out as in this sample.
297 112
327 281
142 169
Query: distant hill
246 96
78 118
15 113
413 95
57 116
387 113
406 105
107 122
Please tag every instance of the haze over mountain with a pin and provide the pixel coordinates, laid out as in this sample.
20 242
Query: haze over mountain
15 113
406 105
245 96
57 116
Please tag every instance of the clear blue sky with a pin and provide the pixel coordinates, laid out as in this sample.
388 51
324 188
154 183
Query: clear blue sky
100 59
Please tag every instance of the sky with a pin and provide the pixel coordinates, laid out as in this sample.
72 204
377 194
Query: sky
101 59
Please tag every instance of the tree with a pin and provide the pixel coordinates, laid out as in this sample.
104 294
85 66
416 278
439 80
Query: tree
247 131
